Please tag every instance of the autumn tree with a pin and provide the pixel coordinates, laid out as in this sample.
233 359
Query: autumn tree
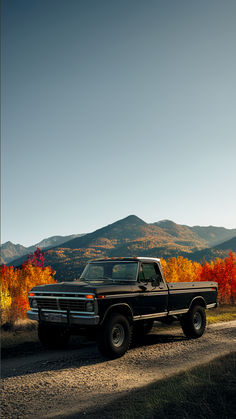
222 271
17 282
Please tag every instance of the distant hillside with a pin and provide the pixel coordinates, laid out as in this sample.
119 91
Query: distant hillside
228 245
209 236
214 235
182 233
11 251
220 251
129 237
53 241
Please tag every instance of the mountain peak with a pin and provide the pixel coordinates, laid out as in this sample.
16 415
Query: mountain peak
131 219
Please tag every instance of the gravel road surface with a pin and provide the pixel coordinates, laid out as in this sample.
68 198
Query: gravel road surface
72 382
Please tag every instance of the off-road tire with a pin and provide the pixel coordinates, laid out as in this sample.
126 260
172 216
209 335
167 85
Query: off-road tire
114 336
52 337
194 322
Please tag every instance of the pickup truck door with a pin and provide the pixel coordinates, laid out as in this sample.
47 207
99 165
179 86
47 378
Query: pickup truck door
152 292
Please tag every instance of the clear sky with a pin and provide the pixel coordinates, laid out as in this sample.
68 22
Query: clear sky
117 107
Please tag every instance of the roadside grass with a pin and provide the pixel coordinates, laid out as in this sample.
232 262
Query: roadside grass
222 313
21 332
207 391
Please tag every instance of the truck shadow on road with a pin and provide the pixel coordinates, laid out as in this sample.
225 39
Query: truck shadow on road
156 339
29 358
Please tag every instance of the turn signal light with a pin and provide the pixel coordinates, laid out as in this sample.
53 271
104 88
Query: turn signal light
31 294
101 296
89 297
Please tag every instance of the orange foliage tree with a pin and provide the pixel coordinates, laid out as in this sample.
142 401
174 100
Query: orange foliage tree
17 282
222 271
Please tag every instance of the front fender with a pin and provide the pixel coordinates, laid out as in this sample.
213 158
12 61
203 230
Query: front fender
122 308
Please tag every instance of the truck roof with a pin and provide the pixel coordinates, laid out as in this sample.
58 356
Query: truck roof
139 258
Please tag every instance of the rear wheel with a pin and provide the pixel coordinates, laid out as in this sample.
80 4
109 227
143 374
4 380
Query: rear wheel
53 337
114 337
194 322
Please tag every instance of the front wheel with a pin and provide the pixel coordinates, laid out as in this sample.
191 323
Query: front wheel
194 322
114 336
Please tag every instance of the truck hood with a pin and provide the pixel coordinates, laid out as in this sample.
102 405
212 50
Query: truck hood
81 287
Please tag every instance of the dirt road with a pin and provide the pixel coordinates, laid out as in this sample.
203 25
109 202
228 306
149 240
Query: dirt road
56 384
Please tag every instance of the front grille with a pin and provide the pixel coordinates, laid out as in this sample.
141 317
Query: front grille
50 303
73 305
61 304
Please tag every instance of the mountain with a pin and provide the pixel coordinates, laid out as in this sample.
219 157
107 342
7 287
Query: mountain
214 235
53 241
210 236
183 234
130 228
227 245
132 236
11 251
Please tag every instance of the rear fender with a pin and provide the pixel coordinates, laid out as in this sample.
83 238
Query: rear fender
198 301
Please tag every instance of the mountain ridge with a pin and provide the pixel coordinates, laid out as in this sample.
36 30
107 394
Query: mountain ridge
11 251
128 237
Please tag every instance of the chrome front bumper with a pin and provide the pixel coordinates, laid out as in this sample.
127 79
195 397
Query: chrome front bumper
83 320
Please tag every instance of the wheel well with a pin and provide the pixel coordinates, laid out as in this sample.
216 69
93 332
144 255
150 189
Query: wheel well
120 309
198 301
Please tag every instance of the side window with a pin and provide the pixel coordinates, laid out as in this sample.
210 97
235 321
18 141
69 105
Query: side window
148 271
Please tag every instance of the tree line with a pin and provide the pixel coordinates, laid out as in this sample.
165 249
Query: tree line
17 282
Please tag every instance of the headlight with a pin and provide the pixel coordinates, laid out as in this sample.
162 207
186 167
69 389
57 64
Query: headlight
34 303
89 306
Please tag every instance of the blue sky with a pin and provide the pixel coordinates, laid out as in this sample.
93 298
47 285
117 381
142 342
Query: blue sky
111 108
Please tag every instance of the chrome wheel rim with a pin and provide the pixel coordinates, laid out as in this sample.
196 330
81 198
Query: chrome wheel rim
117 335
197 321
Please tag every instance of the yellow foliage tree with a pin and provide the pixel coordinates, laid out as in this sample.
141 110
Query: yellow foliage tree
15 285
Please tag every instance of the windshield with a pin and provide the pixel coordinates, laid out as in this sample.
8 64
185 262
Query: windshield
110 270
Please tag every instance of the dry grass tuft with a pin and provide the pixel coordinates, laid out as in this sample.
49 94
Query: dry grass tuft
221 314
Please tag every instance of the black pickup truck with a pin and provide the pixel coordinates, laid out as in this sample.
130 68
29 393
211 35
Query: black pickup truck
116 298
